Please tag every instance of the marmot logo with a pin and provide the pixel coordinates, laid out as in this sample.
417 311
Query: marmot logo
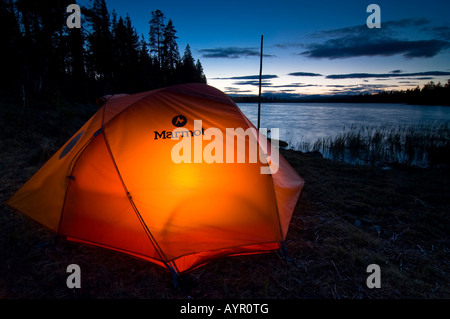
179 121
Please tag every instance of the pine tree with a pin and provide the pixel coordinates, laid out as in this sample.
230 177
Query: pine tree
119 46
144 56
170 55
78 79
42 56
190 71
132 41
113 21
188 60
156 34
100 46
187 69
42 43
146 69
200 76
126 56
10 54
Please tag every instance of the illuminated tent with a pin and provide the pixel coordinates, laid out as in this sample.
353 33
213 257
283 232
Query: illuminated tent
115 183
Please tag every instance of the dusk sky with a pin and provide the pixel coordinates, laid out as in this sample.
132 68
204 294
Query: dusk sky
310 47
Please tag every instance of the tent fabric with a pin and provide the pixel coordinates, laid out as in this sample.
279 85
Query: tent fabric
115 185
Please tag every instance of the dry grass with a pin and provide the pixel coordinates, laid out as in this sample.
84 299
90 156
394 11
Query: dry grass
347 217
424 145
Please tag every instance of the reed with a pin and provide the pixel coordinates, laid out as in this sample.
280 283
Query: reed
423 145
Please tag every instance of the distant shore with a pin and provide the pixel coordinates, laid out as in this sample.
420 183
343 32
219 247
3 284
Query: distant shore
339 99
430 94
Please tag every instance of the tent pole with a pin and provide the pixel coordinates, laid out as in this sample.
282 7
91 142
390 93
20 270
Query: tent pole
260 80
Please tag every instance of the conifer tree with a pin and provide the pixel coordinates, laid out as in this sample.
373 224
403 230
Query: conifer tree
170 56
76 54
191 71
187 69
188 60
156 34
43 57
144 56
146 69
132 40
200 76
100 46
126 55
10 54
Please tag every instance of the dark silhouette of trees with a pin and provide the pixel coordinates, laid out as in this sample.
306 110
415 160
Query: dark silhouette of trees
35 45
156 34
199 74
170 57
42 58
430 94
170 67
190 71
100 47
11 54
125 54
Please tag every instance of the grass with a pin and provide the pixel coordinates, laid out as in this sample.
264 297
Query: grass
347 217
423 145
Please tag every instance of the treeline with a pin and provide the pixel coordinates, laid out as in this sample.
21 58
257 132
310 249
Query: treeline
430 94
42 57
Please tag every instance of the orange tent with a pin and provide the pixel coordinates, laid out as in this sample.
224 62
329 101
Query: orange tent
115 183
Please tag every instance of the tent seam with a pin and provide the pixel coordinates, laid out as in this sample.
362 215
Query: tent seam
72 166
130 199
128 107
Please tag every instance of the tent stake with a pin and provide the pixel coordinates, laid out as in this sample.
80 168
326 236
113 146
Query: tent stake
260 80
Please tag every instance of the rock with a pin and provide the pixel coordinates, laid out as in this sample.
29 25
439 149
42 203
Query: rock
315 154
378 229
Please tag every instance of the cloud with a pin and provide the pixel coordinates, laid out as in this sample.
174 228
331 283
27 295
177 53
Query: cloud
294 85
252 82
388 28
441 32
384 75
356 47
357 41
304 74
287 45
235 90
231 52
250 77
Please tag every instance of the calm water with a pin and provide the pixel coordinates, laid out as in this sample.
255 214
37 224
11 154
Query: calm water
310 121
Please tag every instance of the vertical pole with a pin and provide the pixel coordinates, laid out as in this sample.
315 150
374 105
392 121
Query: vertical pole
260 80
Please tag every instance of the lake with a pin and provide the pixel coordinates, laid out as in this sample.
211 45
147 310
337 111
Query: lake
310 121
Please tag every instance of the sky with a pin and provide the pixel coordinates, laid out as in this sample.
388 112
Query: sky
310 47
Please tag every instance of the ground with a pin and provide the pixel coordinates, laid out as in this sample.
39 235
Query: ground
347 218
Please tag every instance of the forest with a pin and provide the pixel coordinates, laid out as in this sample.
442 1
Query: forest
42 58
431 93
